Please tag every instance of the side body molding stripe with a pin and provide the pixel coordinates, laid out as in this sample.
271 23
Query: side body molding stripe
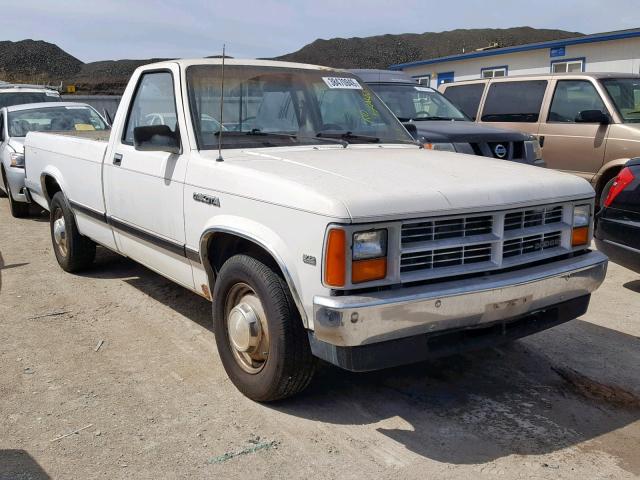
165 244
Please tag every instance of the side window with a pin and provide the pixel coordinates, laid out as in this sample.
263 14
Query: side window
2 139
466 97
572 97
514 101
154 103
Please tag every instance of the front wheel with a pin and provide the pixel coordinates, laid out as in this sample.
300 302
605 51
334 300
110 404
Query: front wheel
73 251
18 209
260 337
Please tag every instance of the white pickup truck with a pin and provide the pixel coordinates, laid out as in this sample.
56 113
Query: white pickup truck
291 197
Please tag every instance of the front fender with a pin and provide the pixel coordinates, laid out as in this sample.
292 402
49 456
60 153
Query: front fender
262 236
616 164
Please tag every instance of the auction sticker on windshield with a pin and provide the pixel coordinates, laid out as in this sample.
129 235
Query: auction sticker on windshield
345 83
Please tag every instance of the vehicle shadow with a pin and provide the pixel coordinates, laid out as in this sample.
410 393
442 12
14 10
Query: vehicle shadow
472 408
464 409
110 265
18 464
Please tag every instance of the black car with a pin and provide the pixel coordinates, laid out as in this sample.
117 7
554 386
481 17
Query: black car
618 222
440 125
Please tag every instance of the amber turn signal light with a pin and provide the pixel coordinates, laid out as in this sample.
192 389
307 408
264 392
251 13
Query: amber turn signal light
580 236
335 258
368 270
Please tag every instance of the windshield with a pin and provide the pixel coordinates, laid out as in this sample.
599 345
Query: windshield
410 102
8 99
625 94
271 106
54 119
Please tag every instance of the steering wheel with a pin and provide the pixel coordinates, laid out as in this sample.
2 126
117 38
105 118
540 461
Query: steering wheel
156 119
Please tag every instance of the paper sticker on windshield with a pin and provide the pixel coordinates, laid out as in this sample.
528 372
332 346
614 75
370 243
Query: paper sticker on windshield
52 94
75 108
84 127
344 83
424 89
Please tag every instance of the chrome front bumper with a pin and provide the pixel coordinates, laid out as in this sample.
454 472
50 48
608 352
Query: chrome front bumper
350 321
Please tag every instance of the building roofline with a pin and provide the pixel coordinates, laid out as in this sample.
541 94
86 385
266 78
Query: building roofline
596 37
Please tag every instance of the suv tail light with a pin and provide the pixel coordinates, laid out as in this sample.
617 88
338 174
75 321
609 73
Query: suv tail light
624 178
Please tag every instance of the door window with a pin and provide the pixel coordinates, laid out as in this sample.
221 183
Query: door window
466 97
154 103
514 101
572 97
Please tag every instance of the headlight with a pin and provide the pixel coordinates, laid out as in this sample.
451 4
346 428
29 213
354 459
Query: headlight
535 145
17 160
369 256
581 224
372 244
443 147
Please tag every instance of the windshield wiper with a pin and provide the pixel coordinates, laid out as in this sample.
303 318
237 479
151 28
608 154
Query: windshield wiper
348 136
259 133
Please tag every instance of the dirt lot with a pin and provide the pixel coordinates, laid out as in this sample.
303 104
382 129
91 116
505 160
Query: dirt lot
154 402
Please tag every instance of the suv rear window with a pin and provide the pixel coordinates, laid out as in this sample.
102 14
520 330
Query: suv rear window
514 101
466 97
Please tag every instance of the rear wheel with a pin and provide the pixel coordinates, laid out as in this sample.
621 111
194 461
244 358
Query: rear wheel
261 340
73 251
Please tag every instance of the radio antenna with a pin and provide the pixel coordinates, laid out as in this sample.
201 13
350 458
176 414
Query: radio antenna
220 159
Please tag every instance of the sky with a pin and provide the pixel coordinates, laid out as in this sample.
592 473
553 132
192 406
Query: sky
117 29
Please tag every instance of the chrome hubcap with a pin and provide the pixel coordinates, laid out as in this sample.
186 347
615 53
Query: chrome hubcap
60 232
247 328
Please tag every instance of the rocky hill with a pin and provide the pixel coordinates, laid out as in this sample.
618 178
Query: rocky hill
32 61
35 61
384 50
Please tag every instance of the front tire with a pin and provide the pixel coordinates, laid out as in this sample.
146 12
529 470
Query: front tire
262 343
73 251
18 209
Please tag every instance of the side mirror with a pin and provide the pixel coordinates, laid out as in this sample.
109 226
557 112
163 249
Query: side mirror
156 138
592 116
411 128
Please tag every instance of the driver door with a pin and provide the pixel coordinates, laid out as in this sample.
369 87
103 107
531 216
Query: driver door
144 189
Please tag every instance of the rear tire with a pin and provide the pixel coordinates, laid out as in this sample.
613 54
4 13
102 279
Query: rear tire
267 354
74 251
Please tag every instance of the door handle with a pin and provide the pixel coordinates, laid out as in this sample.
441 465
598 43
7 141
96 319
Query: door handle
117 159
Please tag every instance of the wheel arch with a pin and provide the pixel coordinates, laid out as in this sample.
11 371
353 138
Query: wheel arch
51 183
220 242
608 171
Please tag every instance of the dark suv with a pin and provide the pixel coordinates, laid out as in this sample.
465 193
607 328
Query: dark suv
440 125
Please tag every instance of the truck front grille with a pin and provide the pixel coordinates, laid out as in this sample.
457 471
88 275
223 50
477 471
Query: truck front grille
432 248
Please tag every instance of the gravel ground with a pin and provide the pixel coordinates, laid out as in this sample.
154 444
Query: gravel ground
154 402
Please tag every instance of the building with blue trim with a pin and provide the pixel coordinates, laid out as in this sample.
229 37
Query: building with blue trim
617 52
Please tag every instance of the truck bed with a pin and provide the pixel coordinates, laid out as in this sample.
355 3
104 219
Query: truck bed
74 159
99 136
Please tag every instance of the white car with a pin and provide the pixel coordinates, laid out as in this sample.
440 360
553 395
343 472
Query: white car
18 120
313 221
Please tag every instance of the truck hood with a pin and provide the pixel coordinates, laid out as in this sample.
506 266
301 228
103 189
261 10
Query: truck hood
374 182
455 132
